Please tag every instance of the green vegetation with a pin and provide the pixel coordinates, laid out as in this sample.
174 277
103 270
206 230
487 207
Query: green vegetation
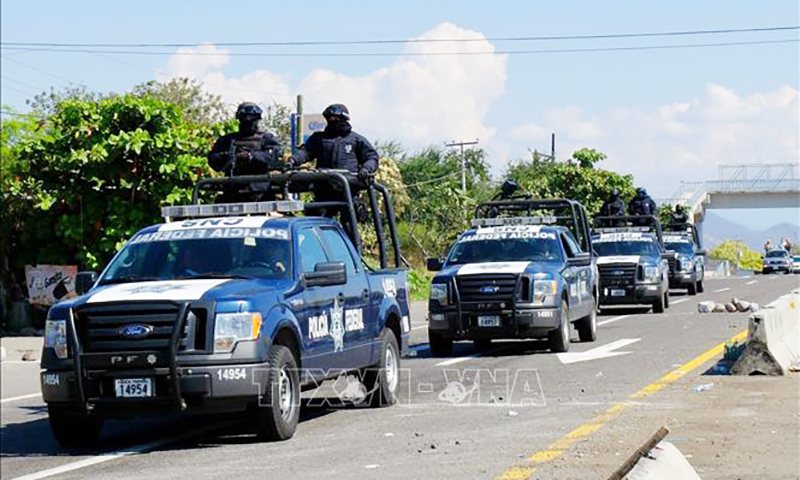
738 253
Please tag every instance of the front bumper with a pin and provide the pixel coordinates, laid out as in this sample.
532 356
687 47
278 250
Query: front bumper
203 389
639 294
520 322
681 279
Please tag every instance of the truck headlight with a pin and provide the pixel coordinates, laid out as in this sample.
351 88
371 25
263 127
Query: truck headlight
684 264
55 337
439 293
543 288
651 274
230 328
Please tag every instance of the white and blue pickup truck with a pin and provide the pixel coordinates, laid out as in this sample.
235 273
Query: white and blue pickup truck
223 313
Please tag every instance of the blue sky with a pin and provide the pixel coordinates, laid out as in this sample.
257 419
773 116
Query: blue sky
662 115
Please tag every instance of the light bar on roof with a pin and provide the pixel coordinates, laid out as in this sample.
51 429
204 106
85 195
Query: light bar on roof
622 229
506 221
232 209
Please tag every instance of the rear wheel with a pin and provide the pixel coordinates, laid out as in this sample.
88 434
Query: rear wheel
74 429
587 326
277 416
383 379
559 338
439 345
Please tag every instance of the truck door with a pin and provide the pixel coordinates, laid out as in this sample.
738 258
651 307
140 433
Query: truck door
359 317
317 305
578 280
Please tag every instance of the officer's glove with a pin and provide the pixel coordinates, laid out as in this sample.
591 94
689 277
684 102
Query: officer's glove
365 175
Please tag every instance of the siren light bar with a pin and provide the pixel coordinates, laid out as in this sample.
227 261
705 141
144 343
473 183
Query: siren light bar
232 209
507 221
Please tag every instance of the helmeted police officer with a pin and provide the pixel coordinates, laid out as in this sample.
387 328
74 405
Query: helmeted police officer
642 204
339 147
614 206
679 216
250 151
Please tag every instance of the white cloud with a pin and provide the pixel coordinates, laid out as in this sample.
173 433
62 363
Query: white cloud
194 62
420 99
680 141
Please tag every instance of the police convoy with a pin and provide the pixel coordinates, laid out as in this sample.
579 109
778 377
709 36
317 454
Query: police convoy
229 307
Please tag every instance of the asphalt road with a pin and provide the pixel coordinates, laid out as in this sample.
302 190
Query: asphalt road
472 415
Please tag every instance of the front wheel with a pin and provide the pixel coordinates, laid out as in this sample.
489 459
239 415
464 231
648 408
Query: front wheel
661 304
559 338
587 326
439 345
74 429
279 411
700 287
692 288
382 379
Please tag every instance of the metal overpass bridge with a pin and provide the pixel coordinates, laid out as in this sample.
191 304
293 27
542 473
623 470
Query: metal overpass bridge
766 185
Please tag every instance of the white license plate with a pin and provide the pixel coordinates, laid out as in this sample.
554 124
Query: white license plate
617 293
134 387
492 321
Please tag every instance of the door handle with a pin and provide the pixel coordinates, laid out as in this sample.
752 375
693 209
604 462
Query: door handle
365 294
340 297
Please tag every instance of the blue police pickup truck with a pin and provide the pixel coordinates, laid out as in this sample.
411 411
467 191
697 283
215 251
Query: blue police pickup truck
516 276
220 312
632 262
687 259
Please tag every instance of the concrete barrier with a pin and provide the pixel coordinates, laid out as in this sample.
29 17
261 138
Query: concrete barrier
773 343
664 462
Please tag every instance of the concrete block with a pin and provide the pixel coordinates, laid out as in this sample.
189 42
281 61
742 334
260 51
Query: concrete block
773 342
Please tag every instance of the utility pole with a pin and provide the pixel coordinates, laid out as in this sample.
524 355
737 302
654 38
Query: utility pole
463 161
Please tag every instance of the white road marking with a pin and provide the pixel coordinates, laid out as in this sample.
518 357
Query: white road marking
675 302
125 452
21 397
417 328
20 362
453 361
745 277
603 351
751 282
611 320
722 290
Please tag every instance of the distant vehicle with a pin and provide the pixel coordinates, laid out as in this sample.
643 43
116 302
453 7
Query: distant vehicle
231 307
796 264
687 259
633 264
515 275
777 260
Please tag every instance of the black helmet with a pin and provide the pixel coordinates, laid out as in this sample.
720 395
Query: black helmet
614 193
641 192
679 208
248 109
336 110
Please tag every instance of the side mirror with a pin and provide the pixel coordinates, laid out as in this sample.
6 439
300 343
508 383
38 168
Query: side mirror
326 274
84 282
700 252
582 259
668 255
434 264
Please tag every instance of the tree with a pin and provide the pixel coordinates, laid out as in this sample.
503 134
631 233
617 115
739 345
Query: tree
589 185
101 172
198 106
738 253
588 157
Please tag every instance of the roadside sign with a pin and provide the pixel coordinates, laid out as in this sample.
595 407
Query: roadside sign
48 284
311 123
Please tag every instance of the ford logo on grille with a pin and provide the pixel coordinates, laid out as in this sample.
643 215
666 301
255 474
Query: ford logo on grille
490 289
135 331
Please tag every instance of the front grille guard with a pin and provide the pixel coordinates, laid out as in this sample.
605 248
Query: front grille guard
463 321
174 378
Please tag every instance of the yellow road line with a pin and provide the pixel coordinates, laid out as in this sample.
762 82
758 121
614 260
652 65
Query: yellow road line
554 450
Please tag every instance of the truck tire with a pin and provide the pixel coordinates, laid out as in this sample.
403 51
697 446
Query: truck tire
74 429
482 344
382 380
587 326
279 410
700 287
661 304
439 345
559 338
692 290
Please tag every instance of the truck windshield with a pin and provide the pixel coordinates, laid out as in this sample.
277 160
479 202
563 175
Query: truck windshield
508 250
626 247
243 257
777 253
680 247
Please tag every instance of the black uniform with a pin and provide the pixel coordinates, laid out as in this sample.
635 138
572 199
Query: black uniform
339 147
613 207
679 217
246 154
642 204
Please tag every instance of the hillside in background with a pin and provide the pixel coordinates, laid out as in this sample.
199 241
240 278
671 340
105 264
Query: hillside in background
716 229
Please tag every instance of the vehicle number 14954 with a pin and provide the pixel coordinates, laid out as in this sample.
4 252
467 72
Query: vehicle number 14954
228 374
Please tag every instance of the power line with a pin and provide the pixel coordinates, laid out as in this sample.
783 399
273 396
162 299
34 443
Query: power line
406 54
461 145
412 40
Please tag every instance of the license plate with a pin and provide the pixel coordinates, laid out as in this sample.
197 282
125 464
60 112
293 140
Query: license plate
492 321
617 293
134 387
